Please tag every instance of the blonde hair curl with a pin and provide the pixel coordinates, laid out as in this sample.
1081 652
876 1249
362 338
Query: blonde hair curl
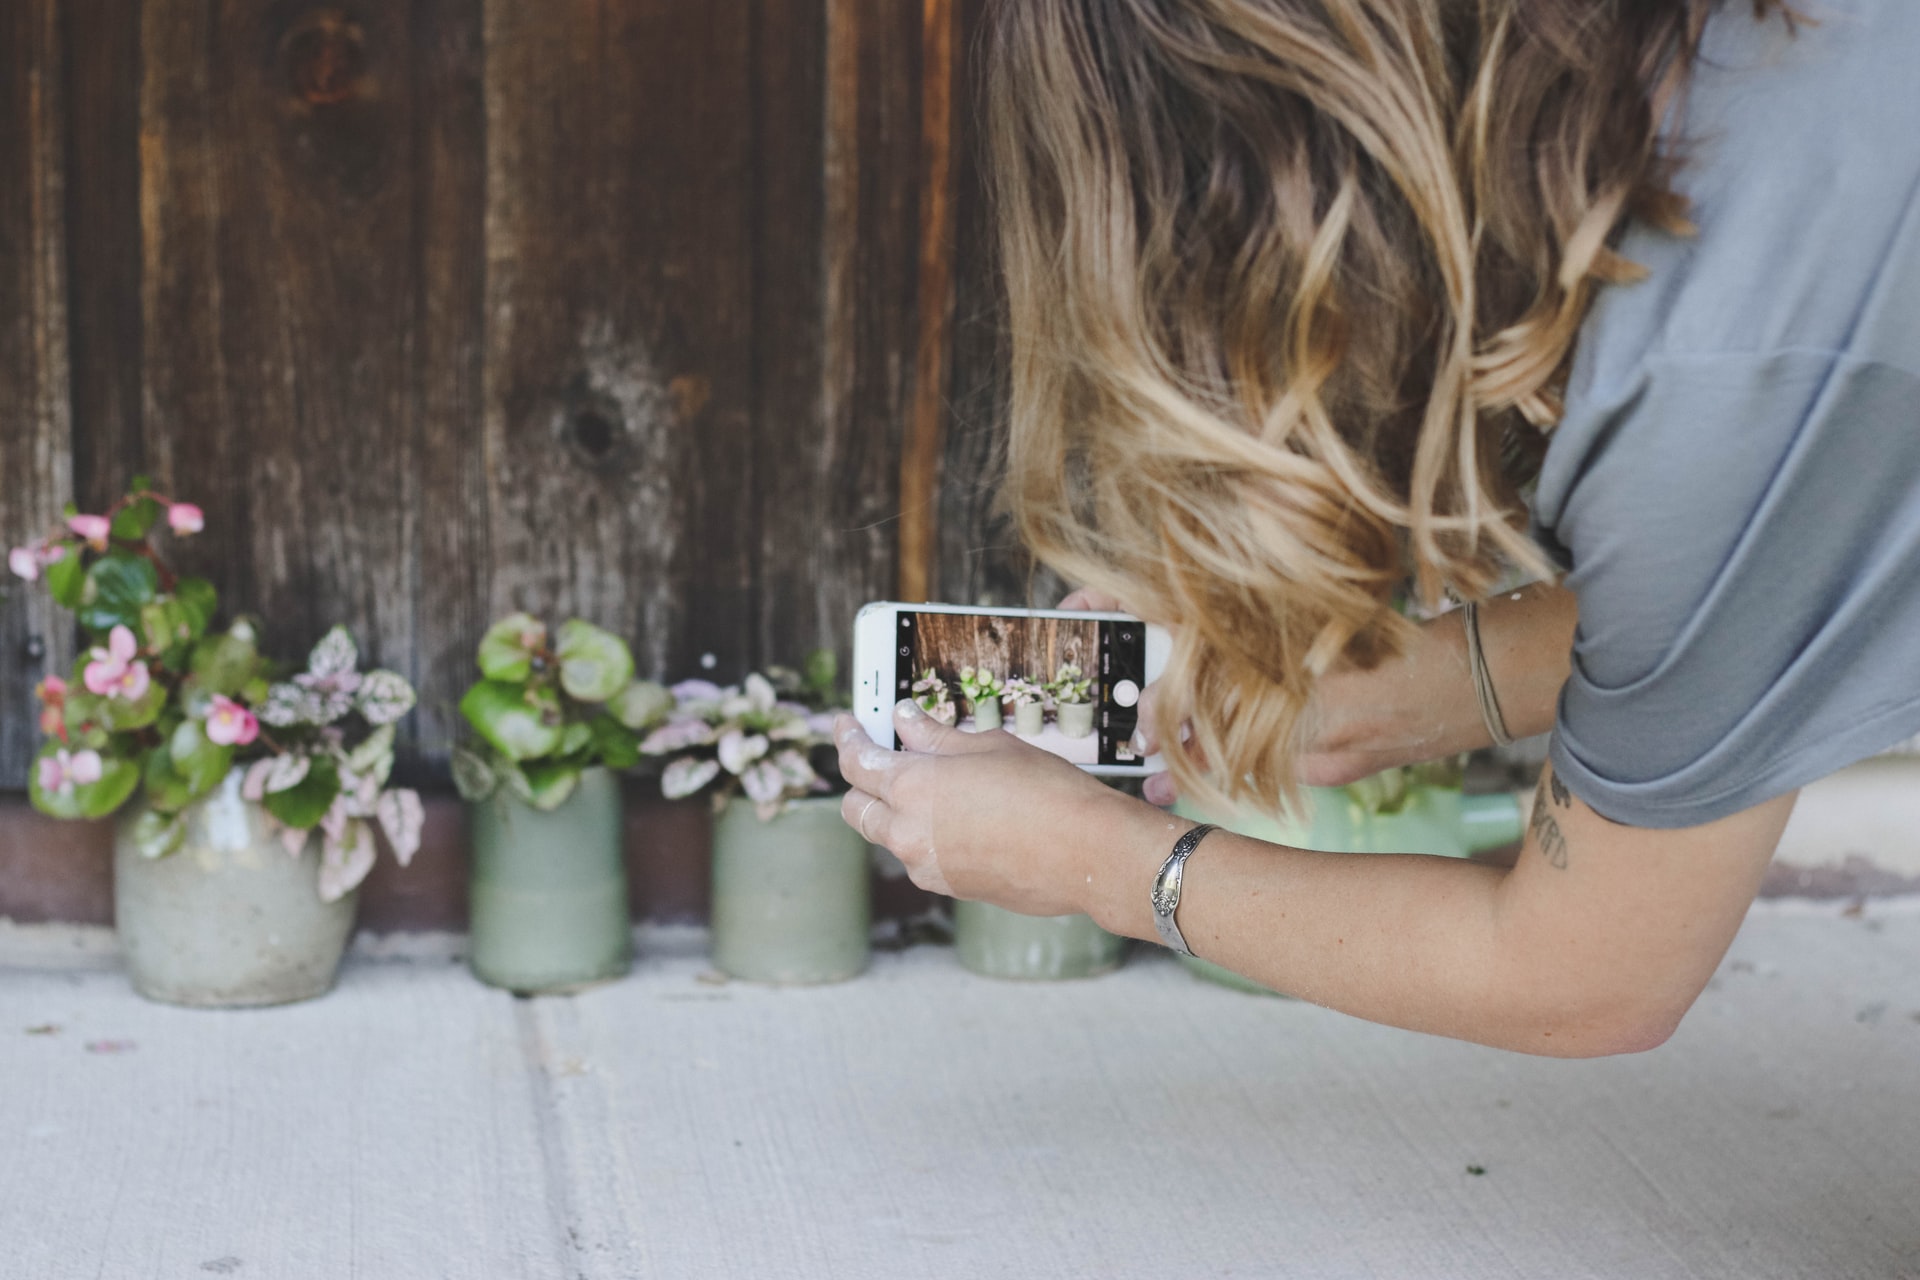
1291 284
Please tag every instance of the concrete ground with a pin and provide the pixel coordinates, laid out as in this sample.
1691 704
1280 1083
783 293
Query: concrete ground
924 1122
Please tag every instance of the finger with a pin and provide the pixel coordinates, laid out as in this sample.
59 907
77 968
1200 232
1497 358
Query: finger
1146 731
869 815
1160 789
1086 598
921 732
865 764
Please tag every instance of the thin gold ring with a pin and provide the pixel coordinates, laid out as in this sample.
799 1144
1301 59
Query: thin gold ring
861 826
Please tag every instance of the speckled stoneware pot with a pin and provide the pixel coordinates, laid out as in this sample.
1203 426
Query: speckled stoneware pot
547 892
792 896
998 943
230 919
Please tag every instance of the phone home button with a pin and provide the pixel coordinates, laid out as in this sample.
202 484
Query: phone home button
1126 693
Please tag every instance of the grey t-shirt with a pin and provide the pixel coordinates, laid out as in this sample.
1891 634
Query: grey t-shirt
1735 487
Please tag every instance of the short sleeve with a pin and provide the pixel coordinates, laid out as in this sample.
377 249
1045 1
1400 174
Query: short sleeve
1743 534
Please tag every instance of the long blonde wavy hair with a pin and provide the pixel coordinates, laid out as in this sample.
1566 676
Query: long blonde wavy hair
1294 285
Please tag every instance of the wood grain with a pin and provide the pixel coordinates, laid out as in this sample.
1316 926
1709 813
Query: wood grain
35 469
920 456
618 374
277 202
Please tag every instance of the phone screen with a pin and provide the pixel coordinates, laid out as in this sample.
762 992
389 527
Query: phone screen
1085 724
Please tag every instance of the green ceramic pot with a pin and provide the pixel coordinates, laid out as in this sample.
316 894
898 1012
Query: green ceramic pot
230 919
987 715
1432 820
998 943
1030 719
1076 718
548 891
792 896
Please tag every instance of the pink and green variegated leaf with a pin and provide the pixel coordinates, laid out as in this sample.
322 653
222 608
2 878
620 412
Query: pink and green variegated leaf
795 771
677 735
345 860
294 840
763 783
384 697
253 787
285 705
284 773
359 793
686 776
738 750
335 655
402 817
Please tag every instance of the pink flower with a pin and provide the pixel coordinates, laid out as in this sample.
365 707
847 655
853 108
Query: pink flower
52 693
25 563
114 673
229 724
185 518
93 528
62 771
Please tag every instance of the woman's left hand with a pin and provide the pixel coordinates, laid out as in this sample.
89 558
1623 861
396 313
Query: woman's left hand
986 816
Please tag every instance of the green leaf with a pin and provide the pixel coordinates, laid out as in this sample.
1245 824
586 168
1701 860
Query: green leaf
521 722
547 786
377 746
594 664
506 651
473 777
225 663
136 519
67 578
303 805
823 673
116 588
641 705
200 600
201 762
575 738
617 746
155 835
118 778
167 790
121 716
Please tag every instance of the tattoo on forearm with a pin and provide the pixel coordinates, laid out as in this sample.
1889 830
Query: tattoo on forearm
1546 828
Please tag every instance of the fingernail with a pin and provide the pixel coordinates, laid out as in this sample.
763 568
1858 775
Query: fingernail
1139 743
907 709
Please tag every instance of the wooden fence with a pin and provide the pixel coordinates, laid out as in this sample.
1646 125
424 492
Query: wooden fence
674 314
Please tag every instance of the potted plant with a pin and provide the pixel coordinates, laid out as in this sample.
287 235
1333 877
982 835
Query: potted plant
792 897
1072 701
1029 706
984 692
225 780
557 714
935 697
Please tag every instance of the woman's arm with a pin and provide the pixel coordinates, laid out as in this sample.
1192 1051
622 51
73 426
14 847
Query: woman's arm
1596 942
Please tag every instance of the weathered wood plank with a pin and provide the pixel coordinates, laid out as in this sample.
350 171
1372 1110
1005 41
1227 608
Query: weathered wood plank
619 355
921 452
102 43
278 200
447 587
35 471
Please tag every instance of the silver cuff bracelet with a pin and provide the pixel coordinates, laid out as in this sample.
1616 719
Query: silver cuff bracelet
1166 888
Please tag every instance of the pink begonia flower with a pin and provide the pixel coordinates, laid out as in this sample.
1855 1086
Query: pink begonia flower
185 518
114 673
229 724
25 563
52 693
62 771
93 528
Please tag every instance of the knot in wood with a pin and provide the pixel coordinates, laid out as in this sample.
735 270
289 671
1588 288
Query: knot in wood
326 57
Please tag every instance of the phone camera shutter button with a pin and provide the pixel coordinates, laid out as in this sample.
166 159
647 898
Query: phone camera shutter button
1126 693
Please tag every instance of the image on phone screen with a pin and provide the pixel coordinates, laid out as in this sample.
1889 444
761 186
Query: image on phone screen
1111 656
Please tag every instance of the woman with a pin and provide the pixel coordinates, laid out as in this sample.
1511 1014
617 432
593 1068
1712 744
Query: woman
1305 295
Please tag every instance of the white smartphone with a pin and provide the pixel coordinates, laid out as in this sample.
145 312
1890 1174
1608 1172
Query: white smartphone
919 650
